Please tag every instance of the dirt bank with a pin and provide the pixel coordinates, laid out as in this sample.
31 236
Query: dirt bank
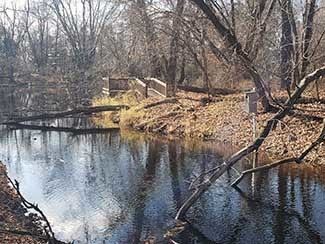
193 115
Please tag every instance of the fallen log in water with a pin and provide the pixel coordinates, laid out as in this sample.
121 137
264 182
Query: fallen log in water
87 110
15 126
298 160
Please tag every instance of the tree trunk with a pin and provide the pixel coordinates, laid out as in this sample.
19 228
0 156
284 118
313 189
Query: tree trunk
174 46
309 14
219 171
286 46
151 39
235 47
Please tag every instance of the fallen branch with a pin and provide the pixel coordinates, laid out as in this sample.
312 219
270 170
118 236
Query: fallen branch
262 168
211 91
61 129
254 146
28 205
164 101
87 110
305 116
298 160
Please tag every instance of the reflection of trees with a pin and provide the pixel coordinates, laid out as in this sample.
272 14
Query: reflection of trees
144 189
17 101
283 215
127 171
174 171
7 102
281 223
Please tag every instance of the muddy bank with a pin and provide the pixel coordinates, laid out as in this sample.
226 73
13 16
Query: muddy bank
223 119
16 226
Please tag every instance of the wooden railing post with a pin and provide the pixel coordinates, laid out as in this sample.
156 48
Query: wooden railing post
169 90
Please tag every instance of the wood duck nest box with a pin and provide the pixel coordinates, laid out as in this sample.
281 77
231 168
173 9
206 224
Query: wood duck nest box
251 101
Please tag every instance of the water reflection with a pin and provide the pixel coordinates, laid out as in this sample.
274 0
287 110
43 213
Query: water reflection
41 97
112 188
123 189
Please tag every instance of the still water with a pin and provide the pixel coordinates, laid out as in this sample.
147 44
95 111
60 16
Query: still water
126 187
115 188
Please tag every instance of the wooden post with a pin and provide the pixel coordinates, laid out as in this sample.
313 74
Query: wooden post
254 153
251 108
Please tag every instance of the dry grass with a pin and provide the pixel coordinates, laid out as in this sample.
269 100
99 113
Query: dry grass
125 117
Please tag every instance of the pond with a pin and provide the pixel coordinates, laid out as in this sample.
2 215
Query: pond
125 187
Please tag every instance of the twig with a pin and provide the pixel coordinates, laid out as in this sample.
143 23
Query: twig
261 168
191 187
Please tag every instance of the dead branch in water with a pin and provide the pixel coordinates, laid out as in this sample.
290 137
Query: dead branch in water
28 205
77 131
298 160
87 110
284 111
264 167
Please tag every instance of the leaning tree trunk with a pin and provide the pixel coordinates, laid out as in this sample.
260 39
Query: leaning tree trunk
234 45
232 160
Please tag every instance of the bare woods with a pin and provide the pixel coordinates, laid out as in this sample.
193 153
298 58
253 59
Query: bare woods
207 44
267 44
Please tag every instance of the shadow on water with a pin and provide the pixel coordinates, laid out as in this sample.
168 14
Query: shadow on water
125 188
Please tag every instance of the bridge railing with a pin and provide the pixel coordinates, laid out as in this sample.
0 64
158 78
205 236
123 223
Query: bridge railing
162 88
115 85
139 86
145 86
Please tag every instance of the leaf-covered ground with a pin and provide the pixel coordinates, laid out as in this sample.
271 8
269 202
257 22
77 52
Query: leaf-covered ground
224 119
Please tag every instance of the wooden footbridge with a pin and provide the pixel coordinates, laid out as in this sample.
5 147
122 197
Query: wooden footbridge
146 87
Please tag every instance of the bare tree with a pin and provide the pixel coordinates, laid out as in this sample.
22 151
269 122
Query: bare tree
286 48
83 24
37 29
12 35
223 28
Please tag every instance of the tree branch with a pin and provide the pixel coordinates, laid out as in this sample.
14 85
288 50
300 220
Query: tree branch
288 106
